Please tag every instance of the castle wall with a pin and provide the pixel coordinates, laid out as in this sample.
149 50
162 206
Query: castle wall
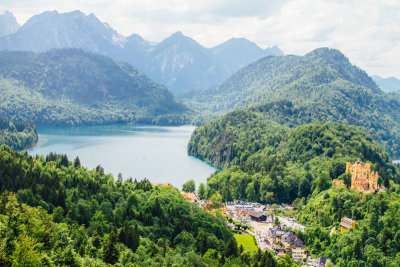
362 178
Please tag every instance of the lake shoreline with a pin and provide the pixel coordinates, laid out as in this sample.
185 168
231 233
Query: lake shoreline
158 153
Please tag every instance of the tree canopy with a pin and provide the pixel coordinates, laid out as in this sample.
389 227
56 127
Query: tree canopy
270 163
17 135
73 87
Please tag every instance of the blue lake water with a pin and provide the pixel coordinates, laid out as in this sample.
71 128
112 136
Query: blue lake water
154 152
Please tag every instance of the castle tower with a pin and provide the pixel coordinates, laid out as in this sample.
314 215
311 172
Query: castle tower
362 179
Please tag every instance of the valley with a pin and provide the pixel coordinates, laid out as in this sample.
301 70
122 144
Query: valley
202 148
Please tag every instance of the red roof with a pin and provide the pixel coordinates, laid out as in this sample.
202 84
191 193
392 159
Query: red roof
166 184
189 195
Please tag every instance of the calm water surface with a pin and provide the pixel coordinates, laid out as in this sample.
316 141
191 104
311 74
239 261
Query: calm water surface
153 152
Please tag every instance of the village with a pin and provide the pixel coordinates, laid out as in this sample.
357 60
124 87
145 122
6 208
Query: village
272 226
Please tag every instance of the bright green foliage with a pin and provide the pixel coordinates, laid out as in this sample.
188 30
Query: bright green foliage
320 86
216 200
17 135
81 217
375 239
267 162
189 186
73 87
247 241
201 191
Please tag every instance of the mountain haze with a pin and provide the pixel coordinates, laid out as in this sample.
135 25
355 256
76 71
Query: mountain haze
388 85
181 63
73 87
8 24
66 30
178 62
239 52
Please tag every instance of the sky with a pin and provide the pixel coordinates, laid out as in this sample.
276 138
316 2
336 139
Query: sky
366 31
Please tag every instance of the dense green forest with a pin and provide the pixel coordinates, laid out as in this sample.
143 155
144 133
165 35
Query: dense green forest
375 241
54 212
72 87
320 86
270 163
267 162
17 135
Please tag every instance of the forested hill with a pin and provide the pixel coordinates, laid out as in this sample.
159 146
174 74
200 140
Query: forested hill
72 87
373 242
17 135
265 161
320 86
54 212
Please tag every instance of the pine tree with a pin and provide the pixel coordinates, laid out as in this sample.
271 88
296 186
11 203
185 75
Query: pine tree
203 244
129 236
231 248
77 162
111 254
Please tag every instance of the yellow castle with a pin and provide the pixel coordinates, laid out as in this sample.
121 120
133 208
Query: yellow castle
362 178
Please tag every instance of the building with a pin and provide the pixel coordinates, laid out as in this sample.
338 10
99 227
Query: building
165 184
288 239
362 178
298 249
338 183
190 196
257 216
275 235
347 223
284 242
320 262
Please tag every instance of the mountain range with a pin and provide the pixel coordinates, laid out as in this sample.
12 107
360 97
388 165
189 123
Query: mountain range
8 24
73 87
321 86
178 62
388 85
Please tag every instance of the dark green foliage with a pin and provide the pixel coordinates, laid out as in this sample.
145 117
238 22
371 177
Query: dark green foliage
373 242
320 86
267 162
17 135
231 248
111 253
73 87
77 162
155 226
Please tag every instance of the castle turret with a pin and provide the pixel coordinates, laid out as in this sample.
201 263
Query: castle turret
362 178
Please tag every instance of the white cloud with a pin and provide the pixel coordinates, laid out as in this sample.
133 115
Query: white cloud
366 31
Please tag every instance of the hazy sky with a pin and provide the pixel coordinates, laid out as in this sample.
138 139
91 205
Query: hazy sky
366 31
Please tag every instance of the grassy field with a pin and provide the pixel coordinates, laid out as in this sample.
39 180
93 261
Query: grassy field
248 242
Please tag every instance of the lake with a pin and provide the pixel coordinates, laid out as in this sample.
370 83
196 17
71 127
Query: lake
154 152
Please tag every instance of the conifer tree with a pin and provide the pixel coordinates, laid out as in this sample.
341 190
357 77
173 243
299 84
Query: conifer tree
77 162
231 248
111 254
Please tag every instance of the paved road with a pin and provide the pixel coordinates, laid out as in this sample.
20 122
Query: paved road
260 233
